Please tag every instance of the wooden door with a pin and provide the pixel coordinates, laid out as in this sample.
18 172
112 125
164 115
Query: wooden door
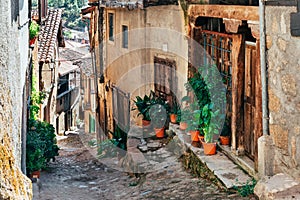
249 99
165 79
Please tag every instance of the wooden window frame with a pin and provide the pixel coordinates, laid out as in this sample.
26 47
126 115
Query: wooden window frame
111 26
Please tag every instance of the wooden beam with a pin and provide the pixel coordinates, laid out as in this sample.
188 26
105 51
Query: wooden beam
224 11
238 74
232 25
254 26
258 105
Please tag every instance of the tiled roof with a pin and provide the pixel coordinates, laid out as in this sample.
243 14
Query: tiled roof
79 56
134 4
48 35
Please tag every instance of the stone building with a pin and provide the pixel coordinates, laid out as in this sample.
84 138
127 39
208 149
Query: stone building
132 43
14 63
262 108
280 146
78 104
68 94
263 90
283 63
50 39
229 34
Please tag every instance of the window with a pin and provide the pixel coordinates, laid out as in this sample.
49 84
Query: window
111 26
125 37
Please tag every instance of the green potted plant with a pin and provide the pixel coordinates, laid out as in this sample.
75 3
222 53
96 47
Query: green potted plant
194 124
41 145
185 116
185 113
143 105
33 31
158 115
35 160
225 133
211 128
174 112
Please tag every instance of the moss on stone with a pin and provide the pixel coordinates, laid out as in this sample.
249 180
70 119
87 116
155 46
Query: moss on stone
190 161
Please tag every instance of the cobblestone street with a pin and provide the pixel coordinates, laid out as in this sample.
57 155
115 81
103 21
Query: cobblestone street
76 175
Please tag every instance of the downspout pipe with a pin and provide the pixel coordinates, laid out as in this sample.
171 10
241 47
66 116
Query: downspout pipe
265 111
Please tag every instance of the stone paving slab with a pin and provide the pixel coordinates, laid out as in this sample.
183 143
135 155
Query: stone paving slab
223 168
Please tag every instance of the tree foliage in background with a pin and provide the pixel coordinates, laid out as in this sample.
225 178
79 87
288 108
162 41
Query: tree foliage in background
71 14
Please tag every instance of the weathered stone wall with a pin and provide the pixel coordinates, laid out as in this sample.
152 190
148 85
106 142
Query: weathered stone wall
283 51
13 184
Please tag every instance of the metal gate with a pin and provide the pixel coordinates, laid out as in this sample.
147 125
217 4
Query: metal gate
121 109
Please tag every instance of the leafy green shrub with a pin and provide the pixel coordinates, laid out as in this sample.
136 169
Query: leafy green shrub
33 29
41 145
37 98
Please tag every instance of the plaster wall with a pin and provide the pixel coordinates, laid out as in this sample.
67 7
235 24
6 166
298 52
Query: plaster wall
283 87
14 184
155 31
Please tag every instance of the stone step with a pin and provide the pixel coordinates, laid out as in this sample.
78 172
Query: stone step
223 168
280 186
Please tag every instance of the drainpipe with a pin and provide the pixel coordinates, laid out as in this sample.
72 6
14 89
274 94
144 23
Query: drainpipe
265 112
266 155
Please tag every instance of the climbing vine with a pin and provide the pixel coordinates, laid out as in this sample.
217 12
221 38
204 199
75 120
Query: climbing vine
37 98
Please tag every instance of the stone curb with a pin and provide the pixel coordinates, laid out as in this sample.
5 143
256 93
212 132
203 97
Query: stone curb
220 165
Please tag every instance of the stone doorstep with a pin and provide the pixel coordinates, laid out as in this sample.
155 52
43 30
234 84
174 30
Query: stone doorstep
223 168
279 186
243 161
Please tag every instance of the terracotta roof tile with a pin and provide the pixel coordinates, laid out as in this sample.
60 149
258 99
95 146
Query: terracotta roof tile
48 35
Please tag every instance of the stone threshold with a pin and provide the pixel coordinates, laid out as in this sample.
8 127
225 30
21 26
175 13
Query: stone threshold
243 161
229 173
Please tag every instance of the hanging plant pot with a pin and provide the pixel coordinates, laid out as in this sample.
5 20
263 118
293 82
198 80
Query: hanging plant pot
146 122
209 148
35 174
194 135
173 118
32 41
159 132
224 140
182 126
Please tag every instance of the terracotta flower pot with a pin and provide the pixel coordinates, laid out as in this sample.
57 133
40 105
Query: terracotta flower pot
194 135
32 41
209 148
35 174
224 140
182 125
146 122
173 118
159 132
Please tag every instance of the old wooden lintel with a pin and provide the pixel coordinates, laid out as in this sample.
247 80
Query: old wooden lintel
224 11
232 25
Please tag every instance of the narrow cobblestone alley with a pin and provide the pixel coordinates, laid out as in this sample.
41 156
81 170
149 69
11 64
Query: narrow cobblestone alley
76 175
